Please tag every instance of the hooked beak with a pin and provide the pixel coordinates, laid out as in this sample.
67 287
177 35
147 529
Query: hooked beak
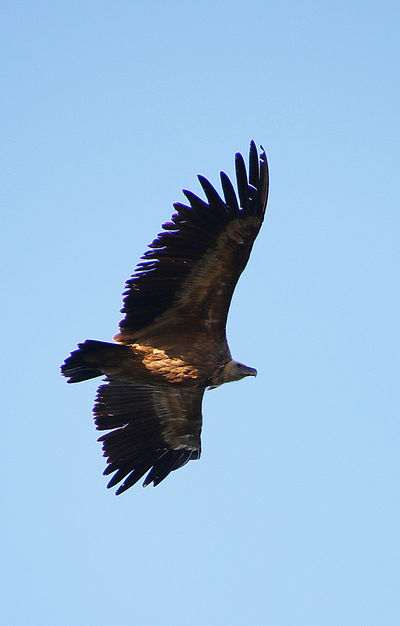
250 371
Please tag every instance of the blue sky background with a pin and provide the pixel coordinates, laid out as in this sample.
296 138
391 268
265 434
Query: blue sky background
108 110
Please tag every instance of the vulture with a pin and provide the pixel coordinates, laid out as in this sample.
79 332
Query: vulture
172 342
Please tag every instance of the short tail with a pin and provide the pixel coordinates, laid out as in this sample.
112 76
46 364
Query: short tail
90 360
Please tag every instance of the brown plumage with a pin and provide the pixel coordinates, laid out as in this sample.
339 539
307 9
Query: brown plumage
172 343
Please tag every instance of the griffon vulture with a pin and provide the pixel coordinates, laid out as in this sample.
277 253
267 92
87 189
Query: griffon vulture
172 344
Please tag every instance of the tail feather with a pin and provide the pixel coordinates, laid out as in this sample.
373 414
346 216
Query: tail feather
88 361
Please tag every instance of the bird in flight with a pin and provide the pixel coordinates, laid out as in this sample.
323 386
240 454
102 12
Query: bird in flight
172 342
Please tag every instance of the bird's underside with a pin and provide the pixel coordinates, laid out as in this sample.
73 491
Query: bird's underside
172 343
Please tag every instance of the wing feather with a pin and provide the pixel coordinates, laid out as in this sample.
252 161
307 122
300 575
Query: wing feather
229 193
214 199
152 429
241 177
254 170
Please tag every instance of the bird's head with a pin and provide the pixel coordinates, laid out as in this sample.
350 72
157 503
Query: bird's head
234 370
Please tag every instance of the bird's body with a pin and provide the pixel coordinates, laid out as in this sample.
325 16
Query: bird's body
172 343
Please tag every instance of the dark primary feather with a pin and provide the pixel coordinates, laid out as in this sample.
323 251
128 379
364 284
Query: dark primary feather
152 429
241 177
165 278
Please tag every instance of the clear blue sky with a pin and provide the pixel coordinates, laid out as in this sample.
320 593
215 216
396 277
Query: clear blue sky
108 110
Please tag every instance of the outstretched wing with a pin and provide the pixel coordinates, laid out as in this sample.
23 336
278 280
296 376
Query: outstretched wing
152 429
193 266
